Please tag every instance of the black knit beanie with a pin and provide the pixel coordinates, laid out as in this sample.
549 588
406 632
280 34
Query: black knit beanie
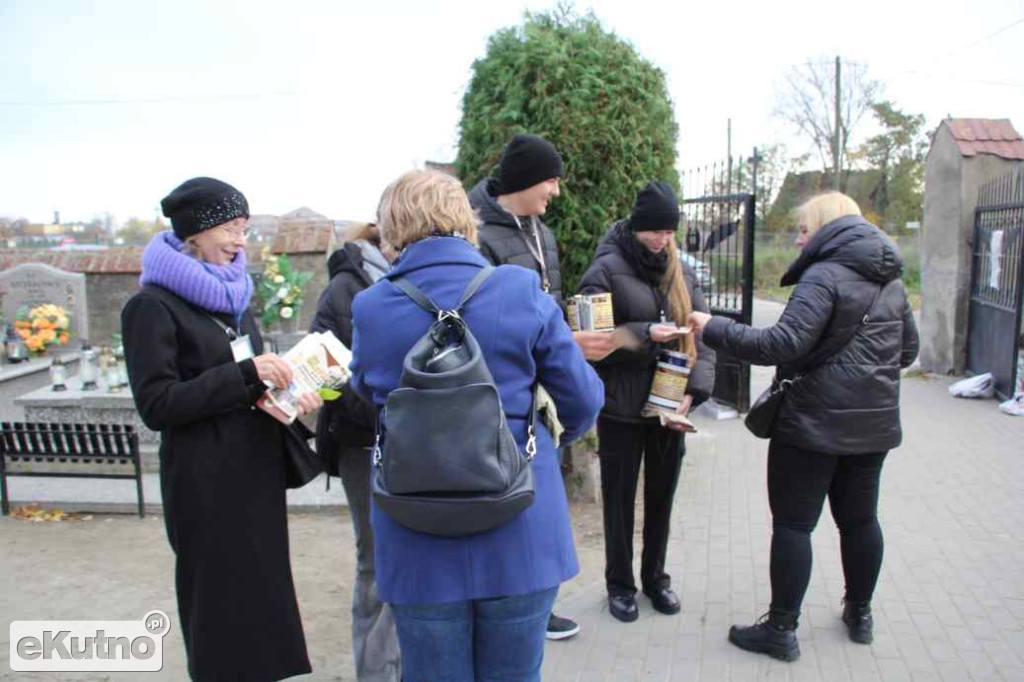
198 204
526 161
656 208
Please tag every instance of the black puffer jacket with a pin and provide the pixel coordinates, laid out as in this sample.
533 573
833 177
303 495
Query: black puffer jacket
502 242
348 421
847 402
627 374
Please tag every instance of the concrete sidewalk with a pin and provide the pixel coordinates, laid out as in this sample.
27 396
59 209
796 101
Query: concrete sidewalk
950 603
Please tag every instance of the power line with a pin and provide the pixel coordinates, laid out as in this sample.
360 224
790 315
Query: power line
846 62
975 43
186 99
979 81
993 34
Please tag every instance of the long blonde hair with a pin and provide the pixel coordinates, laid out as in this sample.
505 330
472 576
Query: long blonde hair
674 284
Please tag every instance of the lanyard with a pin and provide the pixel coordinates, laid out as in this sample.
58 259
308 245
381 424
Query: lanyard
536 249
232 334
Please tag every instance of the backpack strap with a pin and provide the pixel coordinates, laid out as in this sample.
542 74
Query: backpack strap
423 301
473 285
413 292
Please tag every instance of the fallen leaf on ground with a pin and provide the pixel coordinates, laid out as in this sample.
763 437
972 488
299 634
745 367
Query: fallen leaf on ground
36 514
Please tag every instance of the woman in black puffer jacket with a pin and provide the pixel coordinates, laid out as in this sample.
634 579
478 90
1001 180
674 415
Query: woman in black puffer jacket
345 430
847 330
638 263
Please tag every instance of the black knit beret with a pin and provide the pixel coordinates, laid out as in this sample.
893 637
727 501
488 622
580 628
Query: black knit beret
526 161
656 208
201 203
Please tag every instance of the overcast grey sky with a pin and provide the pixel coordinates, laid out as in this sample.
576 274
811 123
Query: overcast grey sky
106 105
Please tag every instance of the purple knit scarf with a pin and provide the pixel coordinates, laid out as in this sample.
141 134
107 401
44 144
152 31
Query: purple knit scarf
217 288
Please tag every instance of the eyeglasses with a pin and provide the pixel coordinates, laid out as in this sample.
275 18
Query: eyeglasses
243 232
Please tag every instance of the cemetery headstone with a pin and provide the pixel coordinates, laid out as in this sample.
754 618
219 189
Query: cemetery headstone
33 284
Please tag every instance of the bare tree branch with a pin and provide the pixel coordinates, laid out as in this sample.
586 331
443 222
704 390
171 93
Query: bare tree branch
807 101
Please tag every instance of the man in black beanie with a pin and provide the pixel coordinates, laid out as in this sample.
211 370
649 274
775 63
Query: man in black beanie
510 205
511 232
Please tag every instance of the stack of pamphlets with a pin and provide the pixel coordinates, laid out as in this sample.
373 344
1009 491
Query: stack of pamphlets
319 365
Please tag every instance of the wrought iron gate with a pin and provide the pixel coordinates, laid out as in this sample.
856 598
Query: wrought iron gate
997 282
717 230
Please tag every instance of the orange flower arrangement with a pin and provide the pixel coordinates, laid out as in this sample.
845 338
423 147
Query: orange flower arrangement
43 326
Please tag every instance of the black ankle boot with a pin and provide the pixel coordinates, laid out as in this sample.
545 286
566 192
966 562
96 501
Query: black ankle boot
774 634
859 623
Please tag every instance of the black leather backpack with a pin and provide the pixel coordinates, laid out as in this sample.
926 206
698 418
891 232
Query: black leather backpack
445 461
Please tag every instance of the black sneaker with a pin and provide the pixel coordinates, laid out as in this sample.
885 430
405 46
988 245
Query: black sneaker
561 628
771 634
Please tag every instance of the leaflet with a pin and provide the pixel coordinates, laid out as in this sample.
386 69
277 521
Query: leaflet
319 361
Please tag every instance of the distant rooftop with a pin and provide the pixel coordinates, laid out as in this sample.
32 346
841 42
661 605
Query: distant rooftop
123 260
442 166
303 231
995 136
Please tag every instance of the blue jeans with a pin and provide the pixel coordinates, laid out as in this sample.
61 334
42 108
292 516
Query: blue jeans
483 640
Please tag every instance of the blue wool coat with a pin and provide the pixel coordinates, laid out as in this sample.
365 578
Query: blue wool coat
524 339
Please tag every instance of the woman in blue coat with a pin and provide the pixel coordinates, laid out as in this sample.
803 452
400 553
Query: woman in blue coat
473 607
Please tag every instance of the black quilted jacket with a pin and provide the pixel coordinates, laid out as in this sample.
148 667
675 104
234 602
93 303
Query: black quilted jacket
848 399
627 374
502 242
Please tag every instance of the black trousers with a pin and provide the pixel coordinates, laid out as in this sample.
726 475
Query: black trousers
798 482
622 448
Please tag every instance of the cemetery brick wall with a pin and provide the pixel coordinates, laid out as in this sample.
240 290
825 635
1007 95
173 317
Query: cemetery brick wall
112 277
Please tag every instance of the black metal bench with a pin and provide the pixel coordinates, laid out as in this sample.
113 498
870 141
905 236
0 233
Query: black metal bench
69 450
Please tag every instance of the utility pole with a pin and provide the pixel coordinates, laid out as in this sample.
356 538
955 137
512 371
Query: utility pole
728 153
839 129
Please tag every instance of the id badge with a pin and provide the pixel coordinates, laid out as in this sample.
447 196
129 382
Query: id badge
241 348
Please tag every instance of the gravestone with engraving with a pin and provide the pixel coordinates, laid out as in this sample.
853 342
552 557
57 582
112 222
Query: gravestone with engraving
33 284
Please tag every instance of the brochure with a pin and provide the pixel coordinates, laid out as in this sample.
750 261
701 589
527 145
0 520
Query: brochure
319 365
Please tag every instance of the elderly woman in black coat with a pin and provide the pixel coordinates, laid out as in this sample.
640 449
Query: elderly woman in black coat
843 337
196 366
652 291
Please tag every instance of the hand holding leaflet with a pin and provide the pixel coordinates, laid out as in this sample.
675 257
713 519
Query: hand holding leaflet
319 365
665 331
